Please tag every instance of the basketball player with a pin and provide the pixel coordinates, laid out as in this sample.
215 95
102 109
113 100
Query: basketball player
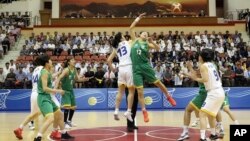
122 49
226 108
35 112
47 107
194 105
142 70
67 78
215 92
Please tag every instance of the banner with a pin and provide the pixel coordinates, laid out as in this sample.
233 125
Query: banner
104 99
131 8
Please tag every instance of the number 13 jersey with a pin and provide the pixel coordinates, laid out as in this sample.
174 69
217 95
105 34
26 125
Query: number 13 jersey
123 53
214 80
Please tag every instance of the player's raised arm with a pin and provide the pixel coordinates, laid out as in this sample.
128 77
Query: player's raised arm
152 44
131 28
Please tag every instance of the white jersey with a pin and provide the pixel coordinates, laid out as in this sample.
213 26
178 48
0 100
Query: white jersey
214 80
123 53
35 77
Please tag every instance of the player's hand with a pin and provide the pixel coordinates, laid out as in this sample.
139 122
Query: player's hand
142 15
150 40
189 64
61 92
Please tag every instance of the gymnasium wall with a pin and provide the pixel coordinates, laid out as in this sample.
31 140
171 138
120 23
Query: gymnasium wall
104 99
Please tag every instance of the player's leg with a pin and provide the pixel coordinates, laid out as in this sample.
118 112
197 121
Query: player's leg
72 109
219 125
66 104
121 90
30 117
187 117
197 120
138 82
46 109
149 76
226 108
127 114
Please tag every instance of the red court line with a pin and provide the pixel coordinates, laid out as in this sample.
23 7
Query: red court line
145 133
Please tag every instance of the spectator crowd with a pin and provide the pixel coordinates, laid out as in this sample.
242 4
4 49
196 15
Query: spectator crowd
232 57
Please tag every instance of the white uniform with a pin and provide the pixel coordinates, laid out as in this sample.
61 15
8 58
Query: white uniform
215 92
33 98
125 75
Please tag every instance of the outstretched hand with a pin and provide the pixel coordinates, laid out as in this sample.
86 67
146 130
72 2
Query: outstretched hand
142 15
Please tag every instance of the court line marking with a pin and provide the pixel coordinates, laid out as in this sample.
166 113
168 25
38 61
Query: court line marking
135 131
152 136
124 134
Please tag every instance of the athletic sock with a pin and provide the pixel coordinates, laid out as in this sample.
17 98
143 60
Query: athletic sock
66 113
203 134
71 113
213 131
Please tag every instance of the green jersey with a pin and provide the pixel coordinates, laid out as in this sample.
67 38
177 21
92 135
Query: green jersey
49 81
68 81
139 52
202 89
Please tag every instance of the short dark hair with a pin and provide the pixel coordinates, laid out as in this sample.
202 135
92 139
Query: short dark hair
207 55
43 59
117 40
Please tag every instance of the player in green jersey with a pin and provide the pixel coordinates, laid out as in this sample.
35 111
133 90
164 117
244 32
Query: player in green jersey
47 107
142 70
67 79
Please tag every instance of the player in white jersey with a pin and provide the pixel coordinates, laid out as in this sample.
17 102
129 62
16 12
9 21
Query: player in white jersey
122 49
215 92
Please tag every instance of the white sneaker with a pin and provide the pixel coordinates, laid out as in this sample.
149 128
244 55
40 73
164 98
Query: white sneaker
221 133
116 115
195 123
128 116
183 136
67 126
73 124
31 126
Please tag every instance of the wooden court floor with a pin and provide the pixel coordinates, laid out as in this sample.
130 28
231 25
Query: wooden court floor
93 119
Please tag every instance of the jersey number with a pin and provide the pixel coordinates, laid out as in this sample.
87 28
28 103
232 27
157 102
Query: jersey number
122 51
138 51
216 75
35 79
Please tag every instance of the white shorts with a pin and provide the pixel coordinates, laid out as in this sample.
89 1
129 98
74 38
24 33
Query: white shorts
33 103
125 75
213 101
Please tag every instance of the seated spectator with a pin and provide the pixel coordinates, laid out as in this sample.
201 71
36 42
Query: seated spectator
168 77
228 76
1 52
6 68
57 51
20 78
239 75
2 78
28 80
32 51
99 77
109 77
89 74
247 75
78 51
10 80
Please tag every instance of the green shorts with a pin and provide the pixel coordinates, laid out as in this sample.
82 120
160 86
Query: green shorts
46 105
68 99
143 72
198 101
225 102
